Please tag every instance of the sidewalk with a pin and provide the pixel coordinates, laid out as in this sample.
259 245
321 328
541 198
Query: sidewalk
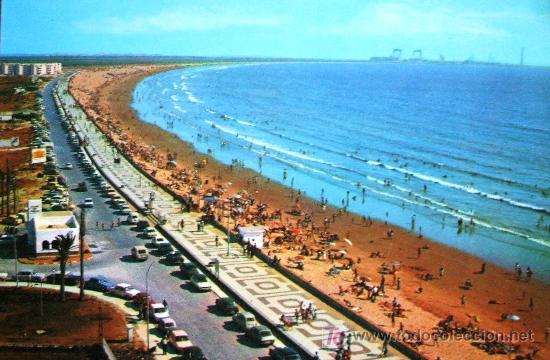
262 288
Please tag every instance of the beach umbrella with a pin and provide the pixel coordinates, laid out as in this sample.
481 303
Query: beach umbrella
513 318
348 241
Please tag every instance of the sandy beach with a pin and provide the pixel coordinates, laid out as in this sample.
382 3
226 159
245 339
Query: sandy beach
427 295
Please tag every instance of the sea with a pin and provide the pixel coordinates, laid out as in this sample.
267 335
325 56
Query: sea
458 153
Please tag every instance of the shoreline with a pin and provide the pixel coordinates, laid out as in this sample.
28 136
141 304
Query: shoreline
440 297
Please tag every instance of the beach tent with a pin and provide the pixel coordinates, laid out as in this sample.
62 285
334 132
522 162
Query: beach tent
253 235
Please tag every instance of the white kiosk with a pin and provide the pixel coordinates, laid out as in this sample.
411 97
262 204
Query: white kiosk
253 235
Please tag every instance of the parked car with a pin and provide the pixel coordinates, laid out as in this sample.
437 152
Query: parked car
189 269
30 275
179 340
98 283
158 311
226 306
150 233
161 243
174 258
88 202
132 218
142 225
261 334
125 210
166 324
124 290
244 320
192 353
200 282
284 353
71 279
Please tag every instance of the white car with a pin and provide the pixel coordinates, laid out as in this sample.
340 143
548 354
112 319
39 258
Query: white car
160 243
150 233
133 218
157 312
125 291
68 166
179 340
125 210
200 282
88 202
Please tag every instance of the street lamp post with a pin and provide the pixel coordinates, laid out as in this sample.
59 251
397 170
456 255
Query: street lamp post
15 257
147 306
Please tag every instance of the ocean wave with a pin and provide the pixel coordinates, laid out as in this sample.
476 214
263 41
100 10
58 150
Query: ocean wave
468 189
192 97
246 123
265 144
164 91
174 98
178 108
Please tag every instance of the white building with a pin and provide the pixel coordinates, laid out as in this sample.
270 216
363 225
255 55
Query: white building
253 235
44 227
41 69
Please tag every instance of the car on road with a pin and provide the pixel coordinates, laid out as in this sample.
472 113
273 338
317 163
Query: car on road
99 283
161 243
174 258
30 275
125 210
189 269
119 203
192 353
244 320
284 353
226 306
82 186
200 282
71 279
139 252
88 202
261 335
179 340
142 225
150 233
132 218
68 166
125 291
166 324
158 311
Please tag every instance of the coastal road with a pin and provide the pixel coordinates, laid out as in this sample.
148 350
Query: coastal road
111 248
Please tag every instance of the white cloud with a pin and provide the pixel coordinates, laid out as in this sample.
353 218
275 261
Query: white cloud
176 20
392 19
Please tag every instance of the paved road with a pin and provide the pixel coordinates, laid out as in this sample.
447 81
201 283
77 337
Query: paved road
191 310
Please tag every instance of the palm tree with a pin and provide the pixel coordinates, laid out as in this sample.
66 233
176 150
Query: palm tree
63 245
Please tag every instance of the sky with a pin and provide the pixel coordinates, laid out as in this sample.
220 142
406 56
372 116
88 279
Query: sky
493 30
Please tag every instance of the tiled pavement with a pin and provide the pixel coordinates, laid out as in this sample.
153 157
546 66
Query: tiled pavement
264 289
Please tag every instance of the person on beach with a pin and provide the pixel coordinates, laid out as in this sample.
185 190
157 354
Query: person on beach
529 273
398 283
531 304
441 272
483 268
463 300
418 252
217 240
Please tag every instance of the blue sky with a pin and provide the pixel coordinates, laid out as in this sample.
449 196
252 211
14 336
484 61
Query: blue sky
338 29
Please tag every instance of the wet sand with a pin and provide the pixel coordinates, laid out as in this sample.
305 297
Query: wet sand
107 93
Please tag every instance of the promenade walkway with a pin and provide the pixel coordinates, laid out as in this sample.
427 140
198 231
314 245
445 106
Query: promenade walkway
261 287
